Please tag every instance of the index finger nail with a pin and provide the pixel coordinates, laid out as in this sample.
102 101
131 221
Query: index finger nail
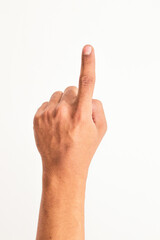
87 50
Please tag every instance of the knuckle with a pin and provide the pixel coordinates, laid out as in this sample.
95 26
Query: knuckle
72 88
86 80
42 106
57 93
39 114
98 102
62 110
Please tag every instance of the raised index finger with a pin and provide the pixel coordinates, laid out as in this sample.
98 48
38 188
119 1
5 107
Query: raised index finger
87 78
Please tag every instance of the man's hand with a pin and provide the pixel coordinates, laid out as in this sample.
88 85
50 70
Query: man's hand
68 129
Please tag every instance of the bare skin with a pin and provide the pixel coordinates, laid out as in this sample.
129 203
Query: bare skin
68 129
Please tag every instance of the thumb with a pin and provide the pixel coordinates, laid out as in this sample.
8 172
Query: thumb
98 116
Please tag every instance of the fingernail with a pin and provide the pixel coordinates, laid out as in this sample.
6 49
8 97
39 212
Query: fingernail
87 50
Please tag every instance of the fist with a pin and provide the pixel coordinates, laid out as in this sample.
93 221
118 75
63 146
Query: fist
69 127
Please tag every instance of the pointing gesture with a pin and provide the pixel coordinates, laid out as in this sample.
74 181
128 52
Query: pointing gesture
68 129
73 119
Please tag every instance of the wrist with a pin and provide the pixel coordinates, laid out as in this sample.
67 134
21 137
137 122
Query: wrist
64 175
63 183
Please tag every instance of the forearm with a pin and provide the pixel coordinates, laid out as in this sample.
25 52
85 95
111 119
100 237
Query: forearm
61 214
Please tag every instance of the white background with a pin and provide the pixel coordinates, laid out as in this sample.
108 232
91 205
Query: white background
40 53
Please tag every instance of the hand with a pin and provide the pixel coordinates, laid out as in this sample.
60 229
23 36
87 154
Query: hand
69 127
